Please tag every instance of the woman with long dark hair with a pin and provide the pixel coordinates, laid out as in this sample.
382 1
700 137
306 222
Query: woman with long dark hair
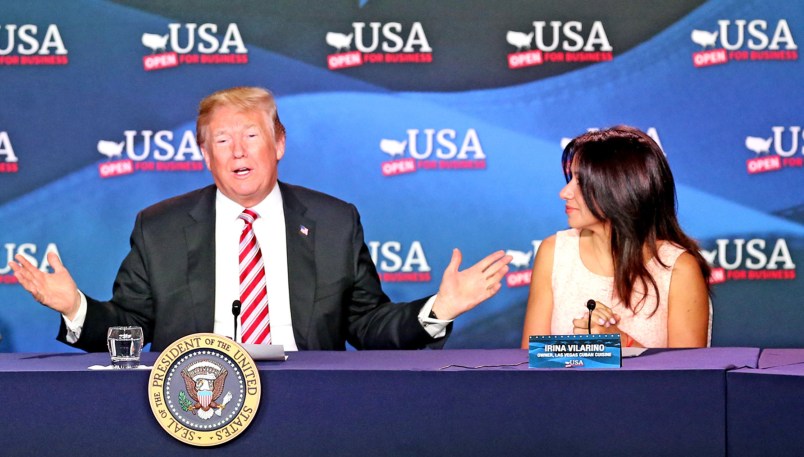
625 250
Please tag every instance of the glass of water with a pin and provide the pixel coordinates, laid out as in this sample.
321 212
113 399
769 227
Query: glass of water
125 346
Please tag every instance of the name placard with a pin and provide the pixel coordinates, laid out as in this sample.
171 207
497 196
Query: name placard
575 351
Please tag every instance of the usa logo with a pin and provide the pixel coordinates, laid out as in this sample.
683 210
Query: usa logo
149 151
521 265
29 44
194 44
776 150
8 160
431 149
32 252
558 42
379 43
204 389
756 259
398 263
743 40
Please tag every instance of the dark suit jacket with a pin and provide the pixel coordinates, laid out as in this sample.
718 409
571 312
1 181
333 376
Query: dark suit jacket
166 284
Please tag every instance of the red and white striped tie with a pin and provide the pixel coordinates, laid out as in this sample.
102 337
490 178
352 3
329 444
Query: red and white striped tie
255 322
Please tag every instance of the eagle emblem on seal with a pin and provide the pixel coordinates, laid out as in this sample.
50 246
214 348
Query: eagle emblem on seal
204 381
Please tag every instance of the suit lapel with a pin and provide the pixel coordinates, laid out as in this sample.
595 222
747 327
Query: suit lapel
300 235
200 239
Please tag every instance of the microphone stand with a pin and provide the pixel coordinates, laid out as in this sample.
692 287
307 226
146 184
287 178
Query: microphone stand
590 305
236 312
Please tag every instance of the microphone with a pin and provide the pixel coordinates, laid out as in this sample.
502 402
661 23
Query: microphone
236 313
590 305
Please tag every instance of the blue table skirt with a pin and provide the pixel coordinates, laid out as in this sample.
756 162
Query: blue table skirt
407 403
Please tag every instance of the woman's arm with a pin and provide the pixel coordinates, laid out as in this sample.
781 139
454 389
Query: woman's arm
688 305
540 298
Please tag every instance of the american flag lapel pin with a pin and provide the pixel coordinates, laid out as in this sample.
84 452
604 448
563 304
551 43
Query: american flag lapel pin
304 230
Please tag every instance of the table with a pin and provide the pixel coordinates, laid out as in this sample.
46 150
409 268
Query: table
665 402
766 406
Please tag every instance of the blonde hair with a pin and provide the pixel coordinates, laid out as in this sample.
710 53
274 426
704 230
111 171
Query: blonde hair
244 98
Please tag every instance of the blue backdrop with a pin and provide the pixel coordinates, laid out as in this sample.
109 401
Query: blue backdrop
442 121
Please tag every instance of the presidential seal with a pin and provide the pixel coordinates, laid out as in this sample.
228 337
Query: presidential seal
204 389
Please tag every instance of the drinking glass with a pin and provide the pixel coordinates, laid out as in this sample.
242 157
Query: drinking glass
125 346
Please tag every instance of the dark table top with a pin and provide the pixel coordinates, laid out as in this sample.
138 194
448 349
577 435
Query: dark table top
444 360
788 362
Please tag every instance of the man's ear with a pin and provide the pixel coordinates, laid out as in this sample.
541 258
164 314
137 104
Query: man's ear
280 148
206 156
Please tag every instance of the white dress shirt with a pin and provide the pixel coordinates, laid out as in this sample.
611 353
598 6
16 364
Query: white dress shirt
269 229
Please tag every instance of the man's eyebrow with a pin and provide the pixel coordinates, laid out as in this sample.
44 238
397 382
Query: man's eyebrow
227 130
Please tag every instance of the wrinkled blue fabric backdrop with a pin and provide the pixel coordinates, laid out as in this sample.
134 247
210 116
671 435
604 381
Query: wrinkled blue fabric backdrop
509 123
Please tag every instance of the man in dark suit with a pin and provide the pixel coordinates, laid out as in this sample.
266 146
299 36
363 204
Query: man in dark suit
179 277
